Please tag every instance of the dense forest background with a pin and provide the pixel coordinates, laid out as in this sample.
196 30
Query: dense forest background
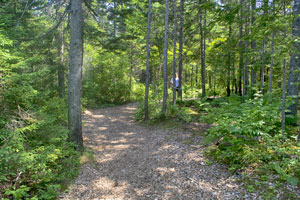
237 61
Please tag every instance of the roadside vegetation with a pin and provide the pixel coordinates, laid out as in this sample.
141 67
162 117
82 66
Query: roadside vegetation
245 135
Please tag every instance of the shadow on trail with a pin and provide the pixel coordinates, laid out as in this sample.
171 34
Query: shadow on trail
137 162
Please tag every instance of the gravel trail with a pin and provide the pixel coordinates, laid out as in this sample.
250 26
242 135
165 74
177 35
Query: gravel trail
134 161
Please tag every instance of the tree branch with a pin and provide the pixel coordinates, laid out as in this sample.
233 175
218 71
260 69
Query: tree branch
42 36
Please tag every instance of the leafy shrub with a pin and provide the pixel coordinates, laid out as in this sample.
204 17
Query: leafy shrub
248 136
181 113
154 109
35 159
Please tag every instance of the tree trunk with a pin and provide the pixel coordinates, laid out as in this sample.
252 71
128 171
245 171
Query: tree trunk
196 74
298 138
229 64
294 74
262 68
246 69
283 98
209 81
181 47
253 46
76 60
241 63
283 87
229 55
165 62
61 66
202 53
228 71
15 13
271 65
174 52
192 74
262 78
130 72
234 79
204 46
228 74
114 20
148 60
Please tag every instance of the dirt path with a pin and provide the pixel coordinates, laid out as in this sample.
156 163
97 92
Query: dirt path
138 162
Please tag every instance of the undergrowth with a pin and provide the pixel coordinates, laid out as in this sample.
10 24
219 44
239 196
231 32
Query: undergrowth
36 161
247 137
173 112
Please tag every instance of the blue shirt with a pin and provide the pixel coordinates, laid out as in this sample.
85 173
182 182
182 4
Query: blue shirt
176 82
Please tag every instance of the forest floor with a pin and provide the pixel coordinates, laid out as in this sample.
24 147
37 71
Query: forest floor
138 161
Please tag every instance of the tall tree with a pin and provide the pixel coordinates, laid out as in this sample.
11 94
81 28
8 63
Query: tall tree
241 46
283 98
181 47
75 67
148 60
294 73
165 61
272 63
61 66
174 52
262 73
246 69
229 61
262 78
202 49
283 86
253 46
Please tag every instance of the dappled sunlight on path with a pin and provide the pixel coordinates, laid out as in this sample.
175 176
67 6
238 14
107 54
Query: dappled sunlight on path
138 162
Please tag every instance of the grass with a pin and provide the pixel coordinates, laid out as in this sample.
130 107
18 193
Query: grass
87 157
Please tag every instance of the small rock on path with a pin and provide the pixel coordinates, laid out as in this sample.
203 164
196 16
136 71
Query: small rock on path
138 162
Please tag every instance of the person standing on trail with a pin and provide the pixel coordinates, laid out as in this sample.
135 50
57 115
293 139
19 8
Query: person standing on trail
176 82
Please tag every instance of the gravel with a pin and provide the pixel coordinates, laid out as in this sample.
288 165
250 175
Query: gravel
135 161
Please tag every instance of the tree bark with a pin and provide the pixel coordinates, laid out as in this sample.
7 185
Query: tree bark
76 60
253 46
294 73
262 78
114 20
165 62
298 138
174 52
229 64
262 68
241 63
61 66
283 98
181 47
246 69
148 61
202 53
192 74
283 88
271 65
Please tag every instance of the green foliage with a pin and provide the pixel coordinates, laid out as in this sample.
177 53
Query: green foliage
34 153
250 119
35 158
247 136
174 112
153 108
107 81
180 113
18 193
